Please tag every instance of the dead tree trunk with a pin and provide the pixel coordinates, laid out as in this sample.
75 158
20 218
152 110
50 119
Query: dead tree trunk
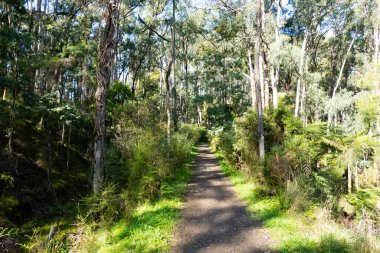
105 57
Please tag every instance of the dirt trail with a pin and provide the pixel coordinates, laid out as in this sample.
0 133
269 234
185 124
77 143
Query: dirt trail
213 218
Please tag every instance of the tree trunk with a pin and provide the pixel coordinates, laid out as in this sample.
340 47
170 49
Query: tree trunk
260 125
105 57
5 93
301 71
168 108
37 30
303 98
376 34
376 61
349 182
200 123
277 75
356 178
266 90
252 80
337 84
274 77
261 76
175 115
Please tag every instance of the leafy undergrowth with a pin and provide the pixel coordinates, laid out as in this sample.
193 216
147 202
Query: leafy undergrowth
150 228
311 231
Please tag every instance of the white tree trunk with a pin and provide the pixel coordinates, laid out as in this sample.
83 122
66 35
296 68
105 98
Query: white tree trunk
252 80
301 72
337 84
261 77
349 182
274 81
278 48
356 178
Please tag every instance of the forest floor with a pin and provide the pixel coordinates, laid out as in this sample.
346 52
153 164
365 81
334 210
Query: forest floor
213 218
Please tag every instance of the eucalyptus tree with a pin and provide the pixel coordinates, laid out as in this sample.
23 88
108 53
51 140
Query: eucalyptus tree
104 71
259 77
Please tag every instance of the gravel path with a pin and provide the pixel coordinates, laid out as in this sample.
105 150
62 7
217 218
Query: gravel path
213 218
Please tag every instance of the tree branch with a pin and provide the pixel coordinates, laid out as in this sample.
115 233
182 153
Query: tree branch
151 29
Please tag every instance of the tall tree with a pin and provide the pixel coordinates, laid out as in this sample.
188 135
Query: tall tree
276 75
259 78
105 56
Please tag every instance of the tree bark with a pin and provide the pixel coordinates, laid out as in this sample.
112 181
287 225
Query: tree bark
337 84
274 74
356 178
301 72
349 182
175 115
376 61
303 98
168 108
260 125
105 57
252 81
266 90
261 75
277 74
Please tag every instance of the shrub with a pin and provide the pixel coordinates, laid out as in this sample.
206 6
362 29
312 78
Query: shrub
194 133
224 139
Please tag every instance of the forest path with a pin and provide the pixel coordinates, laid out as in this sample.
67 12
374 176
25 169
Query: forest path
213 218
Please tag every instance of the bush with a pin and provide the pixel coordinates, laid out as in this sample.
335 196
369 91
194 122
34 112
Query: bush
293 153
223 139
194 133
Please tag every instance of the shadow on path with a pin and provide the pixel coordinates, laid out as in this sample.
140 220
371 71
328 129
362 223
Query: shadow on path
213 219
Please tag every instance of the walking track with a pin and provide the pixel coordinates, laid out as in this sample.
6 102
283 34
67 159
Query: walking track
213 218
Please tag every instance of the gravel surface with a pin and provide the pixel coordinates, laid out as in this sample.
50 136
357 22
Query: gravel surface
213 218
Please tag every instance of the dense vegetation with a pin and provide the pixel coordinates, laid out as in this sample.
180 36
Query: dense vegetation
102 103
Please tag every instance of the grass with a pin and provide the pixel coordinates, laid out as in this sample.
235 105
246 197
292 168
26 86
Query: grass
151 226
150 229
311 231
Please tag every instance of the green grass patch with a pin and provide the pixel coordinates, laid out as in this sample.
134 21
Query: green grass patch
292 232
150 228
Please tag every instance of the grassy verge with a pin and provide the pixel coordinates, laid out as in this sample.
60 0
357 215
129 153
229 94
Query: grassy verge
311 231
150 228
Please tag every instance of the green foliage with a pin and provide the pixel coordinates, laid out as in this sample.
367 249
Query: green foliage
364 203
37 165
306 228
9 231
147 228
42 245
303 165
103 209
223 139
118 93
48 72
194 133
